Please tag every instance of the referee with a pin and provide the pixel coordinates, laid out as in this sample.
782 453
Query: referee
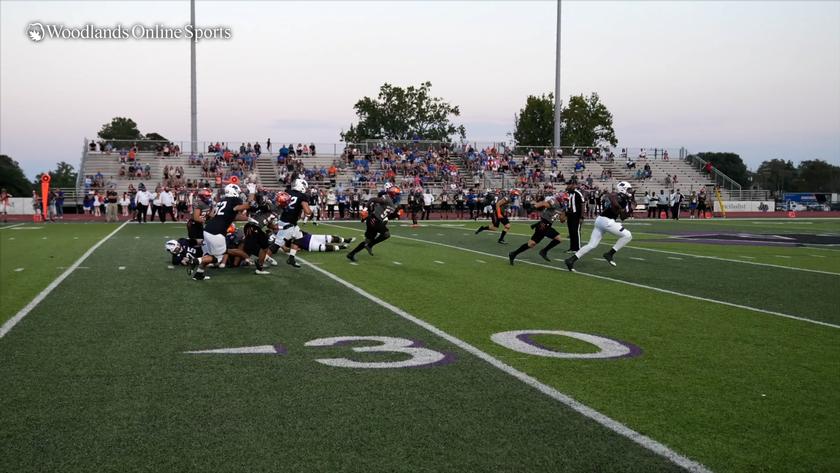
574 214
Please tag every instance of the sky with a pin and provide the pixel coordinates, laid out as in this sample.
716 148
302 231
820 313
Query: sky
761 79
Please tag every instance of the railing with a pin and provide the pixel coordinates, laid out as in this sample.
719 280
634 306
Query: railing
721 179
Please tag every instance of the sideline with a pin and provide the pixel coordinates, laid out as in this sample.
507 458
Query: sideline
10 324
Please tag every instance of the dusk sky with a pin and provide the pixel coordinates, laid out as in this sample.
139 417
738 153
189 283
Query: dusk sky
761 79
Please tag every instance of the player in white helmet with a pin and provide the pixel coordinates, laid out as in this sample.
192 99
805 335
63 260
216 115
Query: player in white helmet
617 206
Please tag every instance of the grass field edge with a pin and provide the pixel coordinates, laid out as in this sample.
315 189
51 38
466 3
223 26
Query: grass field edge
10 324
602 419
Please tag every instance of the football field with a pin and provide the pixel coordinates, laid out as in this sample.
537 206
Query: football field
712 346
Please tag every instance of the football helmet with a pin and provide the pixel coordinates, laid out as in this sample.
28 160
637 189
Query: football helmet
300 185
282 199
173 247
232 190
205 194
624 187
515 192
394 191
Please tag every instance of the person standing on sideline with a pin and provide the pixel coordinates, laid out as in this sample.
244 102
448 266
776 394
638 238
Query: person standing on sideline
574 214
653 206
59 204
111 205
167 200
676 201
144 197
663 204
428 200
5 203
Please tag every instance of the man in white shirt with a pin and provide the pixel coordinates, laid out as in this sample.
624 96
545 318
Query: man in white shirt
167 200
143 198
428 199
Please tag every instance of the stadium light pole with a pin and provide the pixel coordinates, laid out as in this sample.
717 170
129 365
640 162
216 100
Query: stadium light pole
557 104
193 100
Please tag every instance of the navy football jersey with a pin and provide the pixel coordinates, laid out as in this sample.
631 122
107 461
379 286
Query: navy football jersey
224 216
187 254
291 214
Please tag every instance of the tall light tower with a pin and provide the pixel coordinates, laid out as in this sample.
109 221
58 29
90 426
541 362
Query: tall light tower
557 96
193 101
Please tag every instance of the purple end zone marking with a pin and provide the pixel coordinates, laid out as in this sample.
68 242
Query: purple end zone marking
280 349
634 350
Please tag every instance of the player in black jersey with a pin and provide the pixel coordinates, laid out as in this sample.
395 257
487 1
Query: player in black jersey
202 205
615 206
313 202
382 209
214 245
184 252
295 204
415 204
554 208
498 217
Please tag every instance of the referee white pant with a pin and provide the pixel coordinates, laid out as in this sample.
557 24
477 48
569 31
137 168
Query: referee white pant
608 225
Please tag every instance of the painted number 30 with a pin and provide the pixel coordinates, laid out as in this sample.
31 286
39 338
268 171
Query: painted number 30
419 356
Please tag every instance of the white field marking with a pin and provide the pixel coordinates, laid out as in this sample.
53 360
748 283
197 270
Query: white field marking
11 226
43 294
170 266
549 391
414 234
261 349
717 258
395 262
675 258
748 257
818 256
629 283
18 270
82 267
637 259
26 228
354 263
481 261
75 238
12 238
121 268
782 256
137 238
438 262
43 238
440 234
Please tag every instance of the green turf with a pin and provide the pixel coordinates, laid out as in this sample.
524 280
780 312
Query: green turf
34 255
97 378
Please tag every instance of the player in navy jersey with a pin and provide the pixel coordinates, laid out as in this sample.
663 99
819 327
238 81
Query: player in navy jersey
497 216
226 211
202 206
381 209
295 205
615 206
184 252
554 208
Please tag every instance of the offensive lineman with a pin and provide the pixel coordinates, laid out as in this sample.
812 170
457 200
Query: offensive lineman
382 209
498 217
554 208
615 206
214 245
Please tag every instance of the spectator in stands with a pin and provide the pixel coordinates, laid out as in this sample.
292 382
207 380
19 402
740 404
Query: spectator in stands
312 149
630 163
708 168
579 166
87 203
668 180
268 145
674 180
665 155
642 154
123 155
91 146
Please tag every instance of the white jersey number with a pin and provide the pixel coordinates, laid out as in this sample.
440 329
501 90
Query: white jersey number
419 356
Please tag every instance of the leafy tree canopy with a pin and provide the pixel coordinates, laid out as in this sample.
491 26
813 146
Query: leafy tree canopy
12 178
585 122
730 164
404 114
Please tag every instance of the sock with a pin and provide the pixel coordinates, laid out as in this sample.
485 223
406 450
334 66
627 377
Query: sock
611 252
573 258
482 228
359 247
550 246
330 248
523 247
502 236
292 252
379 239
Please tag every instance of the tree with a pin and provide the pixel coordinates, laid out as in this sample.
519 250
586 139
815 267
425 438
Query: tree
403 115
12 178
776 174
120 128
534 125
585 122
730 164
817 176
63 176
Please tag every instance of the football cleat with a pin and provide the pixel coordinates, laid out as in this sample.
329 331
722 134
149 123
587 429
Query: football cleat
544 255
570 263
502 242
511 257
609 258
351 257
271 261
292 262
369 250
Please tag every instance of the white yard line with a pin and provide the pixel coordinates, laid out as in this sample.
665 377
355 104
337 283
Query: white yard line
11 226
565 399
643 286
43 294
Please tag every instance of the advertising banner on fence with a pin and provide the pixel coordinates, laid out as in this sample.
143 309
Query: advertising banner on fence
747 206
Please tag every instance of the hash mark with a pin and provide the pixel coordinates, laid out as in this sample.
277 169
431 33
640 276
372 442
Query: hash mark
481 261
397 263
121 268
18 270
635 258
748 257
674 257
438 262
782 256
818 256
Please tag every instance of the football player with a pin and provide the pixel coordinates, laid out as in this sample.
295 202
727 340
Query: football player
214 245
498 218
313 202
320 243
256 243
287 225
554 208
615 206
382 209
415 204
202 204
184 252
